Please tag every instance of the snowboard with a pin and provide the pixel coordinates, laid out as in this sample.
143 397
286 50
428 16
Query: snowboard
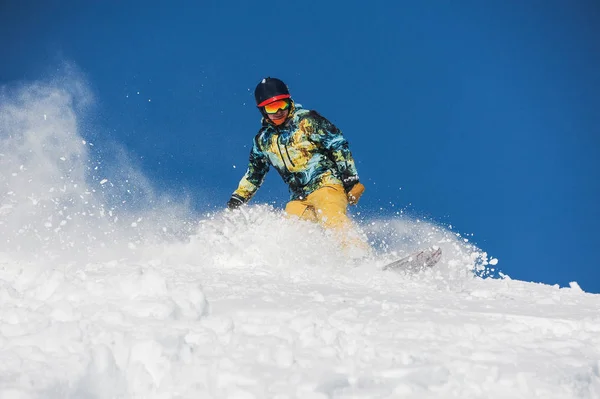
416 261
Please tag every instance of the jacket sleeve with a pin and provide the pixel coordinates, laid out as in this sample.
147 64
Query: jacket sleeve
337 148
258 167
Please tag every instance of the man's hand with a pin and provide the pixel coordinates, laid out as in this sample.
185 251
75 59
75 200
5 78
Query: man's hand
354 189
234 202
355 192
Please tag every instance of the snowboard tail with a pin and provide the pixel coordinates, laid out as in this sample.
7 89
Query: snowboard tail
417 261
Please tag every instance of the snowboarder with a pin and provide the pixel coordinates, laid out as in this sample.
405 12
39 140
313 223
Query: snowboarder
311 155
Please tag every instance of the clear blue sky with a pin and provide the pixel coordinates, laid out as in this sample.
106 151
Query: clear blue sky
480 114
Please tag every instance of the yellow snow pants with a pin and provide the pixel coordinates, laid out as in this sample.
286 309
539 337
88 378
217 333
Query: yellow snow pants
327 206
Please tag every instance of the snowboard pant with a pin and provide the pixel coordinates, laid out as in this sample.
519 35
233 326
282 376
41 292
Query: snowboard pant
327 206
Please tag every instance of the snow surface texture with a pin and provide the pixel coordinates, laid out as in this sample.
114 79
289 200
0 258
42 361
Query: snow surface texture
105 295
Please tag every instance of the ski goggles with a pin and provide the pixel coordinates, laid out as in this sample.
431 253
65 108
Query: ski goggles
275 106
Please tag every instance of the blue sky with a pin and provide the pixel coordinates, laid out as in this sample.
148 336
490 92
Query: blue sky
482 115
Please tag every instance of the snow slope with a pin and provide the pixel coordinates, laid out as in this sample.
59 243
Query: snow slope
110 291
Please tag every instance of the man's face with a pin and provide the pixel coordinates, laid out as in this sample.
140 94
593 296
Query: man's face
278 111
279 117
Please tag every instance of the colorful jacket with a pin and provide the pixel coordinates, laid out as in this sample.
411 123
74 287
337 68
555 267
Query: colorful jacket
307 150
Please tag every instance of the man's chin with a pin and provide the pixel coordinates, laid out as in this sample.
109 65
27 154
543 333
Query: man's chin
278 121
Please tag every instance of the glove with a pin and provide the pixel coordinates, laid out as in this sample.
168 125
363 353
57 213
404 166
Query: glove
355 192
349 182
234 202
354 189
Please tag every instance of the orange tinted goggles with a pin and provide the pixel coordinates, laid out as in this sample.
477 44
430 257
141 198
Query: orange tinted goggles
275 106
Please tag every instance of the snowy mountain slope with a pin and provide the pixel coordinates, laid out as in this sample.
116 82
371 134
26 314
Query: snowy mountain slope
181 325
101 299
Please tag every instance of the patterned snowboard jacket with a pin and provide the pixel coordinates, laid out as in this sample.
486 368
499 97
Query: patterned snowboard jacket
307 150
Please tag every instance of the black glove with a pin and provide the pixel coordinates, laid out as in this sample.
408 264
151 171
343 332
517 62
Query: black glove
234 202
349 182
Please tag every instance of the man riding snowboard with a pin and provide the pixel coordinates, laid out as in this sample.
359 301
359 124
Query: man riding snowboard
311 155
